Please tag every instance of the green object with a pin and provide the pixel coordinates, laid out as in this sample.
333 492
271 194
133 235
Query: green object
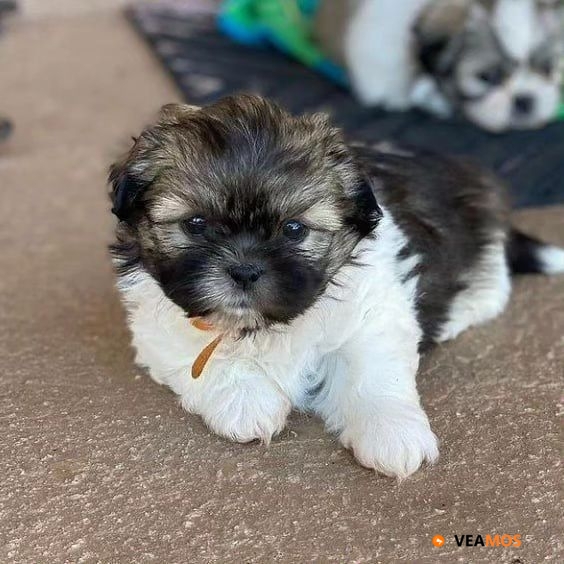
282 24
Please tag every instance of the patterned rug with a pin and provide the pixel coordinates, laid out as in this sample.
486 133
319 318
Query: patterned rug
206 66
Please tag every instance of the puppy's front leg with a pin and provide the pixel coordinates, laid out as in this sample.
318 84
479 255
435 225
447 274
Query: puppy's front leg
370 399
238 400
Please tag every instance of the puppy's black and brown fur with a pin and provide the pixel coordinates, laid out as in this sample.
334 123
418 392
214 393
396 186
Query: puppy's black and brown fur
246 166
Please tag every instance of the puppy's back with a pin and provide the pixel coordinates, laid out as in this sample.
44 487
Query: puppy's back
451 213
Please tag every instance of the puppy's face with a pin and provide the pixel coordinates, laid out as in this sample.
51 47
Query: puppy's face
498 61
241 212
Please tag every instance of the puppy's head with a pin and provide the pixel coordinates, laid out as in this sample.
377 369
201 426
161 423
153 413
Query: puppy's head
498 61
241 212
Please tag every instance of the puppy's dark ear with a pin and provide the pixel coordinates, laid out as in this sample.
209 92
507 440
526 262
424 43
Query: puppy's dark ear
132 176
362 210
366 211
126 190
438 34
432 55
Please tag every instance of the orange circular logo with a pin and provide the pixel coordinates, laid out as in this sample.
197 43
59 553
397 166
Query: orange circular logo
438 540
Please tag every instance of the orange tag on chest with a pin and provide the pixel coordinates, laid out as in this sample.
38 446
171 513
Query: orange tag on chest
201 324
203 358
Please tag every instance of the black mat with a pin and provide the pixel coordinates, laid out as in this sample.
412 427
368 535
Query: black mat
7 7
206 66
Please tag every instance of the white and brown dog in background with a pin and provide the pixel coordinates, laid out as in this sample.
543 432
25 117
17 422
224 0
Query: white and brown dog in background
497 62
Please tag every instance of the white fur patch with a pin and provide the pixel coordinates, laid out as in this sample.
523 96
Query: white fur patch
426 96
552 259
516 25
378 51
391 436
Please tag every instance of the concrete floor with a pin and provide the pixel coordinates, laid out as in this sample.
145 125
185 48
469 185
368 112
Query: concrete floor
99 464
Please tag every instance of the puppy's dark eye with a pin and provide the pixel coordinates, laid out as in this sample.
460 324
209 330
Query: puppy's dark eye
195 225
493 76
294 230
545 67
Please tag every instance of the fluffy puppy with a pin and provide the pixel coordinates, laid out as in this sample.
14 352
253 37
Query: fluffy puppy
497 62
326 268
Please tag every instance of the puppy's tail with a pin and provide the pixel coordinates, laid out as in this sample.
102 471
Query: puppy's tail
529 255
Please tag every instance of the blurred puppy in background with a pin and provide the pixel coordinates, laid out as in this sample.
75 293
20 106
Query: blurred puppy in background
497 62
319 270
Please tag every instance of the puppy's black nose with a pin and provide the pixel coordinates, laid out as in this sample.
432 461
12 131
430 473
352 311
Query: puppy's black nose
523 105
246 274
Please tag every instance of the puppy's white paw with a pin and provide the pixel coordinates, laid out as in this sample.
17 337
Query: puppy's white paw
243 410
394 100
392 437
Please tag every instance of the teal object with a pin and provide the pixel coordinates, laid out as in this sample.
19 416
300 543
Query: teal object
285 25
282 24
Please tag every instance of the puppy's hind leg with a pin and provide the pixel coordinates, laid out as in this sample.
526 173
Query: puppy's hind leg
488 287
488 283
